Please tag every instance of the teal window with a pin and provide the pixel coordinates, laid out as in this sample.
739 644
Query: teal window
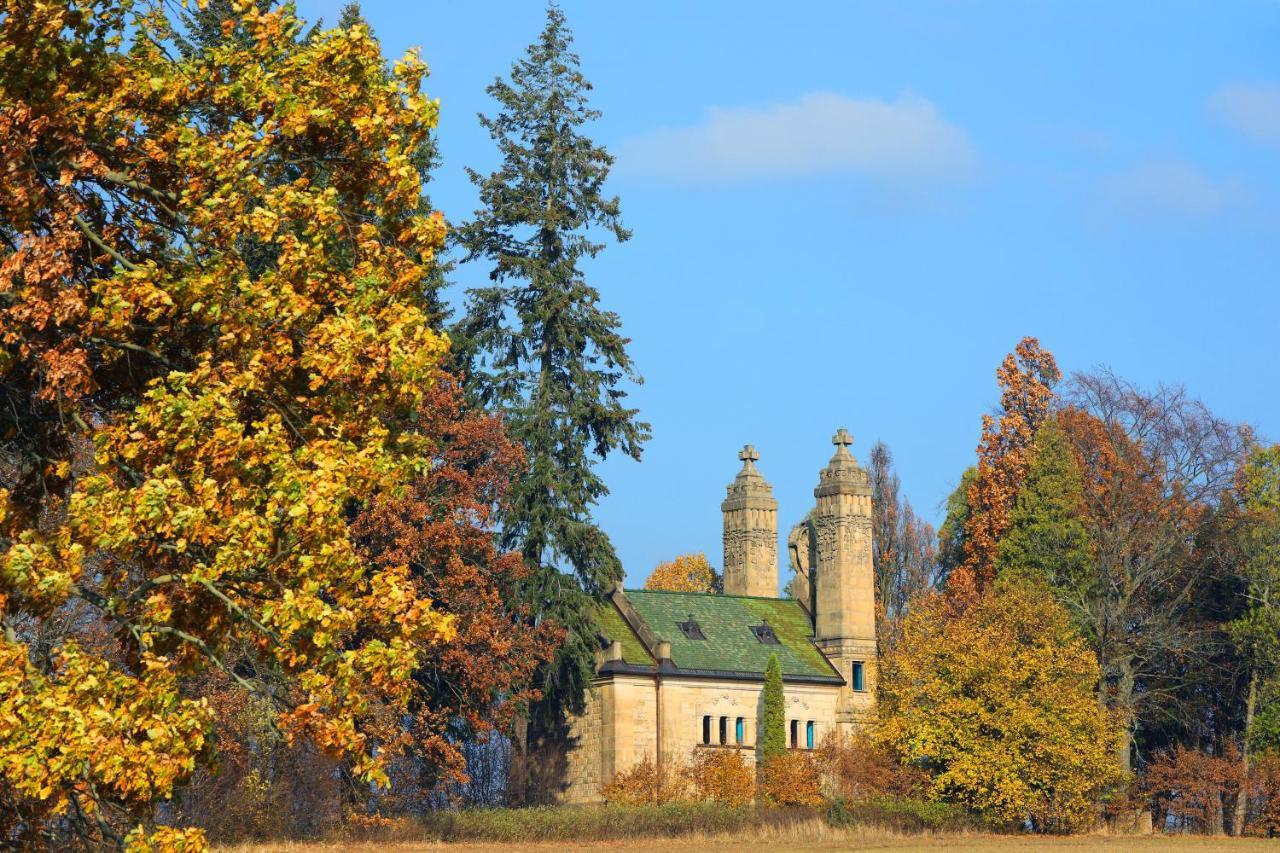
857 676
739 731
808 735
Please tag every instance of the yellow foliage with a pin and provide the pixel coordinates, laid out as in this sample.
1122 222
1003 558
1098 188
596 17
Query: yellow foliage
998 703
686 573
240 337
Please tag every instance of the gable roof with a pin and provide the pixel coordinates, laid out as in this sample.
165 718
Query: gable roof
731 648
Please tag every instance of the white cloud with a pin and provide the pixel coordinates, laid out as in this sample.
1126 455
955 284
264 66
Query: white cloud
820 133
1171 187
1252 109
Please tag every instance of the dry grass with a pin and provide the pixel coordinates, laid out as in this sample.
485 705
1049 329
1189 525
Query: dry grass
806 837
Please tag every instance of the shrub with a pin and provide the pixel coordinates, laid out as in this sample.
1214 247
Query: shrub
645 784
721 776
791 779
857 768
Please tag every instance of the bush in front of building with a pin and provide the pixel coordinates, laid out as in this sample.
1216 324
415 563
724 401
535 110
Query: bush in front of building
791 779
647 784
856 768
721 776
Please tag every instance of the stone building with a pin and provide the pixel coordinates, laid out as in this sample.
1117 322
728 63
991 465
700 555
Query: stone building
678 672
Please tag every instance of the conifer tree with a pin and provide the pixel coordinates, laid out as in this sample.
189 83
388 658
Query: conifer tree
773 741
536 345
1047 538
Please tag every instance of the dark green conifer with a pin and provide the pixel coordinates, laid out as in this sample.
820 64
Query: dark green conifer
536 345
773 739
1047 539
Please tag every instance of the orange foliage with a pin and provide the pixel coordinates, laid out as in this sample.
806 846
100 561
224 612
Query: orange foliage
645 784
473 681
791 779
1193 787
722 776
1026 379
686 573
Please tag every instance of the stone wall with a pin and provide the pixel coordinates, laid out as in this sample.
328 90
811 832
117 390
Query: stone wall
621 725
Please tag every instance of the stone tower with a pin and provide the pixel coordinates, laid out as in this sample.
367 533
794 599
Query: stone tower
844 598
750 532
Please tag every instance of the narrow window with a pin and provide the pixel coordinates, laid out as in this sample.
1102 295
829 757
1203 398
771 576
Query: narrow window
739 731
706 729
808 735
795 734
857 676
724 730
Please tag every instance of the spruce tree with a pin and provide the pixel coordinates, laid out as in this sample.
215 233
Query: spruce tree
773 740
536 345
1047 539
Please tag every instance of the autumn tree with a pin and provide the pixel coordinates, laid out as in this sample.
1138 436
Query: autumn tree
903 551
686 573
470 683
538 347
215 341
1026 378
1154 468
997 704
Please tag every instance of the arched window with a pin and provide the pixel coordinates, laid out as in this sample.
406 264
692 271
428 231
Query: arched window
739 731
706 729
795 734
724 730
808 735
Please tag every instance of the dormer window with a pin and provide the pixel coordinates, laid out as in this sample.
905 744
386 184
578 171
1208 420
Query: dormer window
691 629
764 634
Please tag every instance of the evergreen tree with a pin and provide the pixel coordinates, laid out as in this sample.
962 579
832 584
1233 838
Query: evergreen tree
773 741
537 346
1047 538
951 536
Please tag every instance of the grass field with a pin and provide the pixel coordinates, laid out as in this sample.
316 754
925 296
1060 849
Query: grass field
828 840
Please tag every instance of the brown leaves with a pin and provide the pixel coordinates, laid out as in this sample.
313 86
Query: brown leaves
1026 379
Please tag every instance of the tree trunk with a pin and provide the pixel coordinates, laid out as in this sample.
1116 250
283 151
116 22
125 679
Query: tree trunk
1242 796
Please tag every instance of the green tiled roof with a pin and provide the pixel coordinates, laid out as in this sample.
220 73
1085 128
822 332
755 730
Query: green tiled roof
614 627
726 622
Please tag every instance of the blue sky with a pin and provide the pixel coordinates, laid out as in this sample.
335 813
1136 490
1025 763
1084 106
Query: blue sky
845 214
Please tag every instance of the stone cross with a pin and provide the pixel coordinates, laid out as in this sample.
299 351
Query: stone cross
842 439
748 454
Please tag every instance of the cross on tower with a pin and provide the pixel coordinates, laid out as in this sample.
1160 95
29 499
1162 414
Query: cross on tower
748 454
842 438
